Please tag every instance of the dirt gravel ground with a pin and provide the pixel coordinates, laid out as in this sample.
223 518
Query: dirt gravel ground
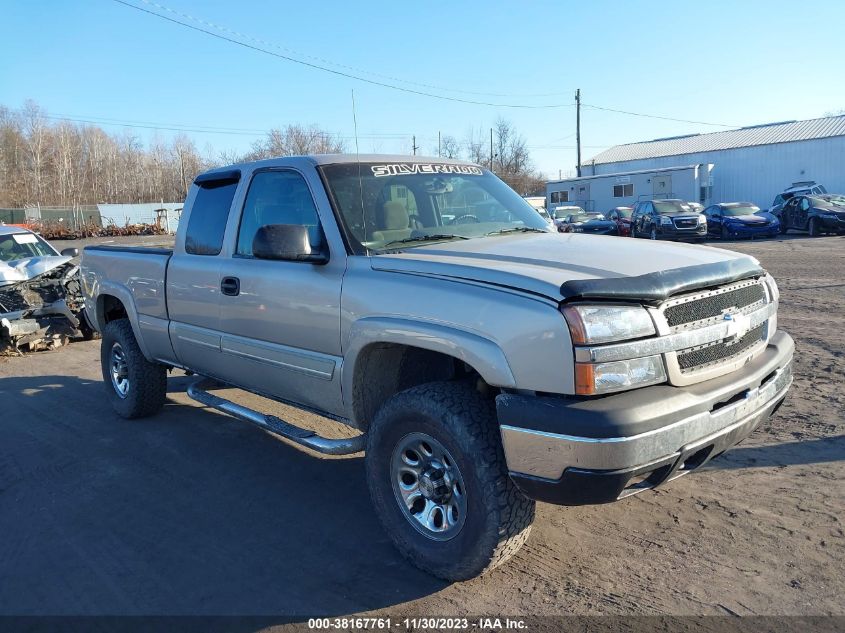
192 512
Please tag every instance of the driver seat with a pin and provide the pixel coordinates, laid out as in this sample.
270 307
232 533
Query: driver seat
393 223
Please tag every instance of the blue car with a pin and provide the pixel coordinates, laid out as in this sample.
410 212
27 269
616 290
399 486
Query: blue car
740 219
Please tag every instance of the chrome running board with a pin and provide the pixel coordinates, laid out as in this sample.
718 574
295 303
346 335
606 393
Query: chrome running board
277 426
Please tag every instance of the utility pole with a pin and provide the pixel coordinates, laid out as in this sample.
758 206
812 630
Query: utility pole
578 128
414 146
438 144
491 149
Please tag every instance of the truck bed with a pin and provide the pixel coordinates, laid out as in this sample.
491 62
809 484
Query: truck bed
141 270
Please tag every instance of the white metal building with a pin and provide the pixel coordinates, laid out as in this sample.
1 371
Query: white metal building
749 164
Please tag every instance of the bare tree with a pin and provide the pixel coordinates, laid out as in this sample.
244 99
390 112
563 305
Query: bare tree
296 140
449 147
476 146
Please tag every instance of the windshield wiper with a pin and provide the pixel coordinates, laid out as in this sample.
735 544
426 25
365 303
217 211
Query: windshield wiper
438 237
518 229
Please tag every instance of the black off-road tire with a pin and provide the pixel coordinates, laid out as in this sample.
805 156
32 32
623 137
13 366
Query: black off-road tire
784 227
813 227
498 517
147 388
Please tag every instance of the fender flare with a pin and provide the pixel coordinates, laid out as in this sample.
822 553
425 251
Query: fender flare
123 294
482 354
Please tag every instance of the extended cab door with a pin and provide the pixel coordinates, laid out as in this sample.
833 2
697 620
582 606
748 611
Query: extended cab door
280 320
193 277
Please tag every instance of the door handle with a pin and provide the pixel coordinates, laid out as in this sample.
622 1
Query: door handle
230 286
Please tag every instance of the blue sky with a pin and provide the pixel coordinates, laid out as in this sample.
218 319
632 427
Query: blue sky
735 63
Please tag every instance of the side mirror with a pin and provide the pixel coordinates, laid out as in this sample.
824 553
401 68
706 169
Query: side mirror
289 242
70 252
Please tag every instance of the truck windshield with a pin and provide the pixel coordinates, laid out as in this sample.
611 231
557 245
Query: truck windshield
22 246
383 203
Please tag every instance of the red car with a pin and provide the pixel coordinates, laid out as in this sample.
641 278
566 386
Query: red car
622 217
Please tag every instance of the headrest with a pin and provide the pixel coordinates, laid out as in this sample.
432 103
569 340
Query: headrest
395 216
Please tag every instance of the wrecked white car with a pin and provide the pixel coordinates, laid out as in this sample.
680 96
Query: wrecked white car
41 305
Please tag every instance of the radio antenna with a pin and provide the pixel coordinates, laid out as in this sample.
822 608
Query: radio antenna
358 161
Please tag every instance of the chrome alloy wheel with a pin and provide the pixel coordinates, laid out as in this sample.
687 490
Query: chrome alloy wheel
119 371
428 486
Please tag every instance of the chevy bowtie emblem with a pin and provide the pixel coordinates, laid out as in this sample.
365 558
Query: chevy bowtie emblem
738 325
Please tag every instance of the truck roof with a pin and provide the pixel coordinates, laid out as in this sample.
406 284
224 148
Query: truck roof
9 229
334 159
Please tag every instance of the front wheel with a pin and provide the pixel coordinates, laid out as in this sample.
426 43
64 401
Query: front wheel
814 228
439 483
653 234
136 387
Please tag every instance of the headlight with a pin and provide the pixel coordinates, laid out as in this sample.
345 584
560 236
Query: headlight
592 379
665 220
702 219
602 324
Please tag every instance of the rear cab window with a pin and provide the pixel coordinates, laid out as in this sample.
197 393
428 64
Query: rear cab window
209 214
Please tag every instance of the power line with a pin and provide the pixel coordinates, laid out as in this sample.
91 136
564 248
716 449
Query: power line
655 116
244 36
341 73
384 84
178 127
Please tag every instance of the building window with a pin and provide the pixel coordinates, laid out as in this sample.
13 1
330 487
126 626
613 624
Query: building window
560 196
704 194
623 191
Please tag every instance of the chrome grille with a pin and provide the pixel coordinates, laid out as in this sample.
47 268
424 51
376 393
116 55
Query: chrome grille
686 223
700 357
699 308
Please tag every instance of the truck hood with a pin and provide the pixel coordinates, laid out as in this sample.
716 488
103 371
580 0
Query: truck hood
572 265
29 267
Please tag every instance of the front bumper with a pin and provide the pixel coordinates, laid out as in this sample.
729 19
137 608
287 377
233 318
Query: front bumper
572 452
671 232
740 230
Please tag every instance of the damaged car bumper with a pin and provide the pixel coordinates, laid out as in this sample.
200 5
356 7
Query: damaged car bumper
42 312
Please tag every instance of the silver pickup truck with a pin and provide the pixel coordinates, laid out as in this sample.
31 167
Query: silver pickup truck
487 360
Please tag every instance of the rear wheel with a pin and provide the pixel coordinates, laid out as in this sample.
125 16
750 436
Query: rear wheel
438 480
136 387
813 228
653 234
725 234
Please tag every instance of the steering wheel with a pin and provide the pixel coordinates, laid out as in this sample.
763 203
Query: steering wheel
414 222
466 216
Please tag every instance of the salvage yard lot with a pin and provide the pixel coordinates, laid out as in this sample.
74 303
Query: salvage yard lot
192 512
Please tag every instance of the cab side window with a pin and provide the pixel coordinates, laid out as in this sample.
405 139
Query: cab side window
278 197
805 204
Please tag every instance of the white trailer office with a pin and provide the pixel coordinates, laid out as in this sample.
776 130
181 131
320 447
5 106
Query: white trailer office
605 191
